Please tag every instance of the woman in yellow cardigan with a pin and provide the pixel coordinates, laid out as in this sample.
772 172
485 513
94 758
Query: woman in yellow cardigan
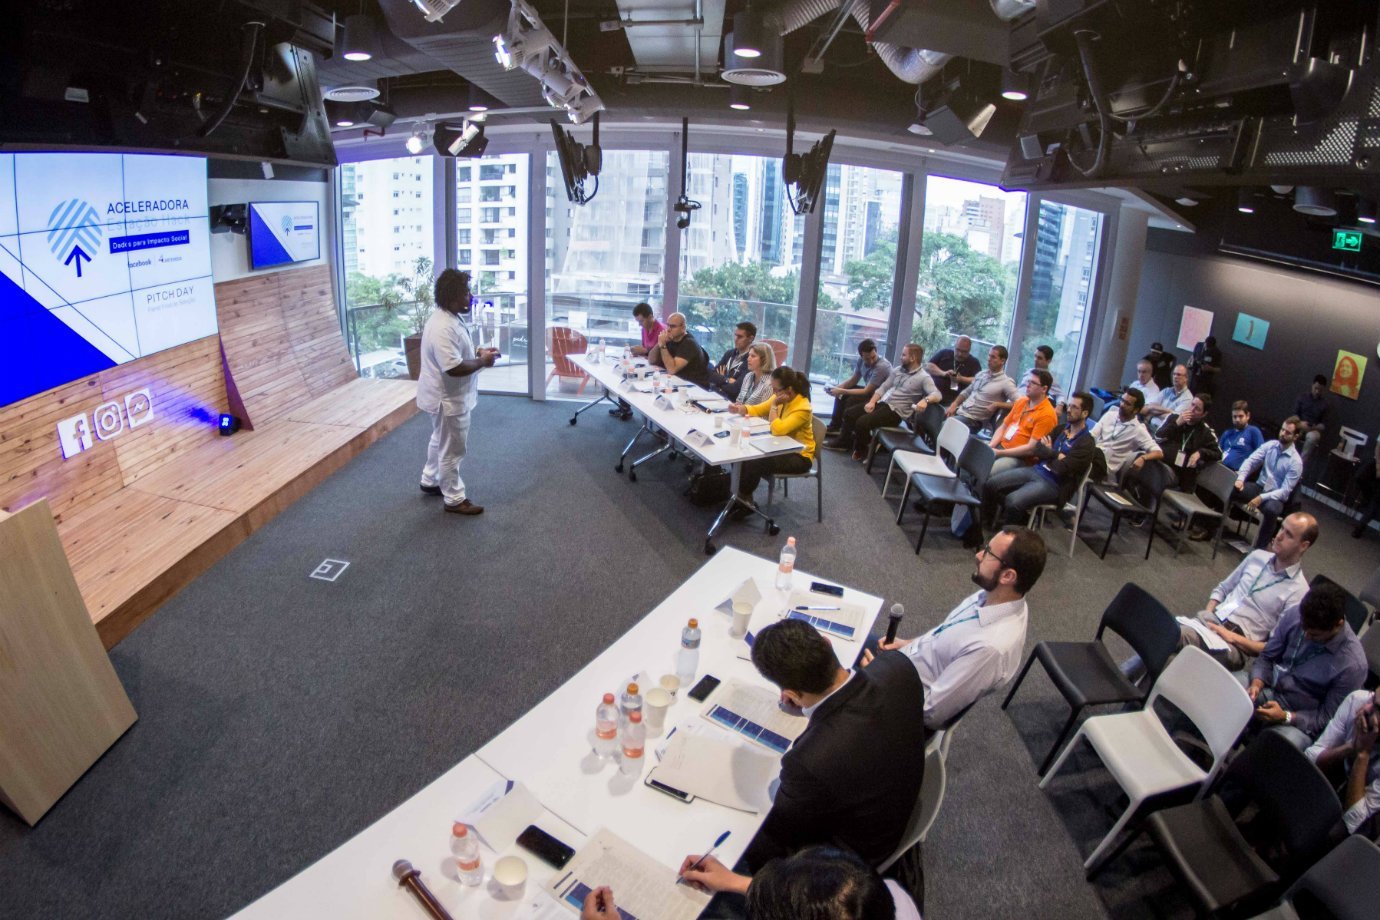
791 416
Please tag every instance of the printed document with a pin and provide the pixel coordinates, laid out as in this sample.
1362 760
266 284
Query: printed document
643 888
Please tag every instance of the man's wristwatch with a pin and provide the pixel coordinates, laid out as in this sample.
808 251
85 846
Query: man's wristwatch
1288 717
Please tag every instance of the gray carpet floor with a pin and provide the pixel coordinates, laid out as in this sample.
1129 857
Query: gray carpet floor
281 715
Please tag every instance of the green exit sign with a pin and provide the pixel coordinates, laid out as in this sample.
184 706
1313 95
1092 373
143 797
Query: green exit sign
1346 240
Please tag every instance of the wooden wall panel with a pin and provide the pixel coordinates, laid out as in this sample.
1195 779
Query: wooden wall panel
188 391
282 340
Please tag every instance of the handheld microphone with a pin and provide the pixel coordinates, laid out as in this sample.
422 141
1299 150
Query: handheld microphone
897 611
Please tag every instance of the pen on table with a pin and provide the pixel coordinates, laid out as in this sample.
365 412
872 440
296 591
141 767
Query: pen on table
803 607
699 862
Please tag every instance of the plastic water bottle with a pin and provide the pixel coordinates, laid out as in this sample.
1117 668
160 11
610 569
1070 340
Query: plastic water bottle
634 744
688 661
629 703
466 850
787 566
606 728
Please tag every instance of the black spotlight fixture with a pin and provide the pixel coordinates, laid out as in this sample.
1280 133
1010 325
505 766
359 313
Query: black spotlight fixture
962 113
739 97
478 100
1245 201
229 424
1365 211
465 141
749 34
360 39
1015 87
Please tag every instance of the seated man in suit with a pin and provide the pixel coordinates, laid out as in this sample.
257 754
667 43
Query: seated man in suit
853 777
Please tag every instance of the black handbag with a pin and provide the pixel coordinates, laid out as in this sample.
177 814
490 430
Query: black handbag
710 486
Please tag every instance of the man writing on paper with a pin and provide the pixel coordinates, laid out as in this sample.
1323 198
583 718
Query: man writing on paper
977 647
854 774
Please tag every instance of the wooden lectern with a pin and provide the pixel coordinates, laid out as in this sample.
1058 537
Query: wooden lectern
61 704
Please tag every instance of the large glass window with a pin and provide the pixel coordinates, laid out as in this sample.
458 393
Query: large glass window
602 258
969 263
740 256
500 275
387 246
857 271
1061 285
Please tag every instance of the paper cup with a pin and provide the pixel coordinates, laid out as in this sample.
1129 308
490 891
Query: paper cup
654 706
742 613
671 684
510 873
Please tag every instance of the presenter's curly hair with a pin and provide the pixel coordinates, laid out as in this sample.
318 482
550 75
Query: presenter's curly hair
794 655
451 286
790 377
819 883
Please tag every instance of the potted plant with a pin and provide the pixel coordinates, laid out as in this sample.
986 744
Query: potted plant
411 296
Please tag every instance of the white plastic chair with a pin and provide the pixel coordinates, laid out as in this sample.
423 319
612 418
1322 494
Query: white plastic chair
1138 751
1037 514
952 438
931 797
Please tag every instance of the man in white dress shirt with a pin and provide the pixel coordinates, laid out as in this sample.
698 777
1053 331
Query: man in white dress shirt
978 646
447 389
1351 745
1145 382
1123 437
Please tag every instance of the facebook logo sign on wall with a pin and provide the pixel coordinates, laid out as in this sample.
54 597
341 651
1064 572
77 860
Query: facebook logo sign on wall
104 258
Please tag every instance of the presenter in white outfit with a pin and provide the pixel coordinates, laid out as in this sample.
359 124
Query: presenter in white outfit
448 389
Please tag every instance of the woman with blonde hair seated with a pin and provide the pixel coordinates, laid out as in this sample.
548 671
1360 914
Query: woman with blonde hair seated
761 361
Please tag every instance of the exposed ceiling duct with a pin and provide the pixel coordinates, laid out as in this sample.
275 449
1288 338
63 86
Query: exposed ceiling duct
673 36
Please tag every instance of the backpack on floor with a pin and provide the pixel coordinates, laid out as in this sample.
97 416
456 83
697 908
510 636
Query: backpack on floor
710 486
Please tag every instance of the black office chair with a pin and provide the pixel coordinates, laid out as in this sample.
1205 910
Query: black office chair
1155 477
1357 614
920 434
1228 868
974 466
1085 673
1342 885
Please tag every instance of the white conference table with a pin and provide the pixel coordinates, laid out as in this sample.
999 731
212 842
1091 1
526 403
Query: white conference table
549 751
678 424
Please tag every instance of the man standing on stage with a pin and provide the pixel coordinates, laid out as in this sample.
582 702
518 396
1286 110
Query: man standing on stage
447 389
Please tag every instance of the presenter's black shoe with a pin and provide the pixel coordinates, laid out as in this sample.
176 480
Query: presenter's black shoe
465 507
431 490
740 511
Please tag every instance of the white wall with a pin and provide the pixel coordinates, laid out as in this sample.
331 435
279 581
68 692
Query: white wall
230 251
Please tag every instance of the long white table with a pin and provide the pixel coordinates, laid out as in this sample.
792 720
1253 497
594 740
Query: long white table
548 750
677 424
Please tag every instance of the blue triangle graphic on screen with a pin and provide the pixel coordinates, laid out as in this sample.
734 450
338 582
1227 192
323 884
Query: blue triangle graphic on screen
38 351
267 249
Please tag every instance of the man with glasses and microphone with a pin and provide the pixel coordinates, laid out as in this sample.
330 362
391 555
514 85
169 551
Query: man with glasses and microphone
978 646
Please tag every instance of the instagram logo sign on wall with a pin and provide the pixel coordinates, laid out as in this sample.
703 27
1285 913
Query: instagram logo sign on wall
106 421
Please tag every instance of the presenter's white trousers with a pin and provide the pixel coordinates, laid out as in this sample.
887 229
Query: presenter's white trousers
449 434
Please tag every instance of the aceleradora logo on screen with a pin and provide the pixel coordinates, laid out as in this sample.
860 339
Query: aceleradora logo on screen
75 434
74 223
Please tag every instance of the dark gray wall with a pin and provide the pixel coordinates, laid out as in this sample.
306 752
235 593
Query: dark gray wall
1310 316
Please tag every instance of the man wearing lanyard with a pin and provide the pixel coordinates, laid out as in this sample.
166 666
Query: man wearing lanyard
1123 438
1351 744
1053 479
1188 441
1031 418
1243 609
1281 468
977 647
1312 661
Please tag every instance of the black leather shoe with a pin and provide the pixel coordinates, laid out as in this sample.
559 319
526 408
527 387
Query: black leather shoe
431 490
465 507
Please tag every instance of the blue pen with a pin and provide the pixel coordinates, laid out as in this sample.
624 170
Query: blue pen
699 862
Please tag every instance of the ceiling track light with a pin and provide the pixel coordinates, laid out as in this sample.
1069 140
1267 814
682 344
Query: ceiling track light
739 97
1015 87
749 34
360 40
478 100
1314 201
1245 200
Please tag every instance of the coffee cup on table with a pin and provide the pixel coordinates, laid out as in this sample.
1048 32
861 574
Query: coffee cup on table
654 706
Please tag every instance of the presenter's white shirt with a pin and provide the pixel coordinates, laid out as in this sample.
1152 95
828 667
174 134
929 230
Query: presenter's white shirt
445 343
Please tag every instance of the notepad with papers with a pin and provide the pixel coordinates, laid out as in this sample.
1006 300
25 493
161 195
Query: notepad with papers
711 405
643 888
717 769
753 713
829 615
1211 640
